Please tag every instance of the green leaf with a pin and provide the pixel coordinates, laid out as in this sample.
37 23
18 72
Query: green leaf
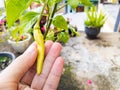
60 22
73 31
53 2
86 2
28 20
58 1
50 36
73 3
63 36
14 8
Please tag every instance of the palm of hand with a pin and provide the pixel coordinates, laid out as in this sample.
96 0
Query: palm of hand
26 78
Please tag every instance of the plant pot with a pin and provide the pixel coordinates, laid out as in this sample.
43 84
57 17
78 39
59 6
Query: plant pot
21 46
5 59
92 32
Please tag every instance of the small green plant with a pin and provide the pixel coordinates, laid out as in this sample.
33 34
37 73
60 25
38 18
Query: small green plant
17 34
95 18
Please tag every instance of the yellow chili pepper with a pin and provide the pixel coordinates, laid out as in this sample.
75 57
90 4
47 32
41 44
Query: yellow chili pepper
41 48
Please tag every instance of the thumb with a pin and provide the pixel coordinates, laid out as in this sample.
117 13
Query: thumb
20 65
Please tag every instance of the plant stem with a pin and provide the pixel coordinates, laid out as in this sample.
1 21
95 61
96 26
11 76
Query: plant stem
48 15
61 7
41 13
59 31
50 20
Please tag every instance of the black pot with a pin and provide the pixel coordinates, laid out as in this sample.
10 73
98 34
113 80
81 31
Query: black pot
5 59
92 32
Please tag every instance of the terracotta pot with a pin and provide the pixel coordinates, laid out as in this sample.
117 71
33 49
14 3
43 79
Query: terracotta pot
21 46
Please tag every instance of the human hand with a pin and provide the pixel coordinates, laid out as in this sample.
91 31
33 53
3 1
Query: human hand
21 73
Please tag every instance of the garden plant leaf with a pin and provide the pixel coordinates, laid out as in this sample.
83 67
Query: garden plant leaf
15 8
28 20
60 22
63 37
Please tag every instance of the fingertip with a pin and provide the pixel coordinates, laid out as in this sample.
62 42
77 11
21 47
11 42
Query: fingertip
57 46
52 46
57 43
32 49
60 60
49 42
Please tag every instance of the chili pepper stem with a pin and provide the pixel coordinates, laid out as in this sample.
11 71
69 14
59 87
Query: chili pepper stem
50 21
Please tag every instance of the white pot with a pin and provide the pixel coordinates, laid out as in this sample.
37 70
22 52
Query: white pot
21 46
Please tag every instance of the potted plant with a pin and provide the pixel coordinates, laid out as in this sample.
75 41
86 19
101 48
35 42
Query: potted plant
16 9
18 39
5 59
95 20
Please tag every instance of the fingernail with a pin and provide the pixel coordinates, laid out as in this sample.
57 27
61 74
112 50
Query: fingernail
57 45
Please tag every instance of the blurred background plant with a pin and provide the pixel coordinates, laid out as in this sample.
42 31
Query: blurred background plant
95 18
2 22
